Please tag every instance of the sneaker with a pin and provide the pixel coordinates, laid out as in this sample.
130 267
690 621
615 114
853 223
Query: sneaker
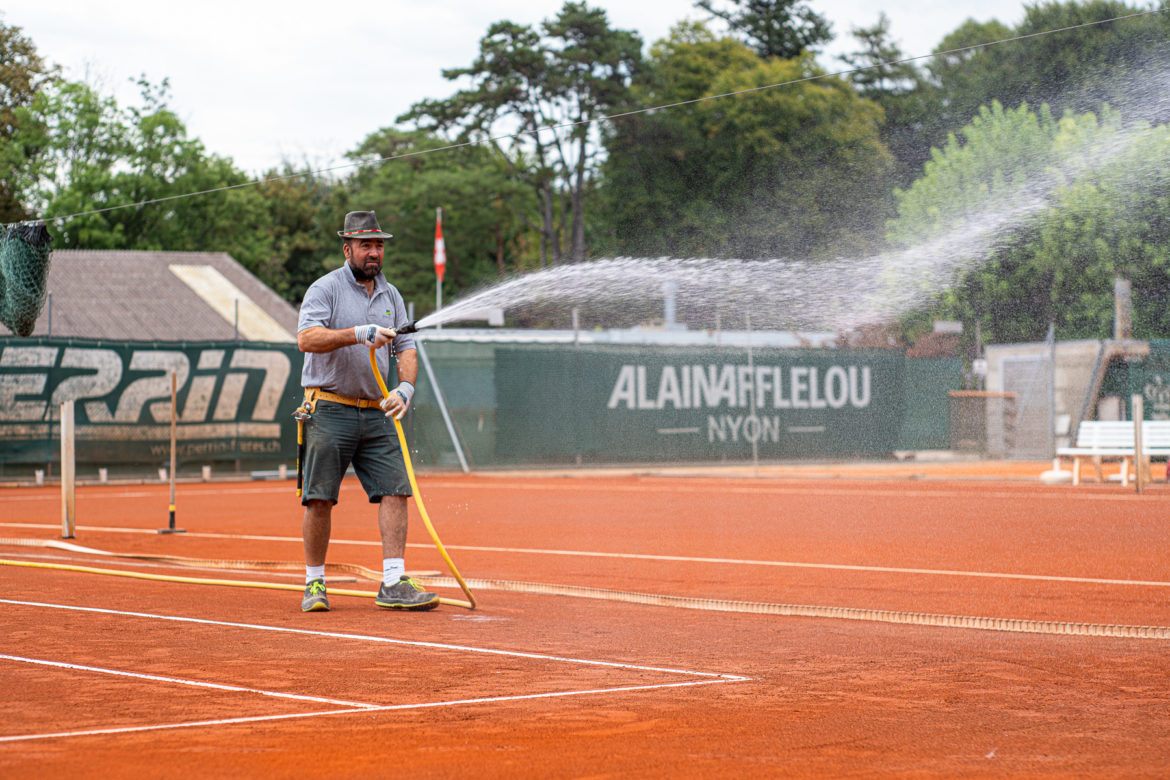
315 599
406 594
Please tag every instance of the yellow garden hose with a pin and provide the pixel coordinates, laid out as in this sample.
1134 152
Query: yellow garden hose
970 622
138 575
422 510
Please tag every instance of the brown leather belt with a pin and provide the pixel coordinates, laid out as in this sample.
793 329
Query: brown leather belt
314 394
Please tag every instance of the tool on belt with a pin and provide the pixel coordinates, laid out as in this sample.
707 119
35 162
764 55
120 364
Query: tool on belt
302 415
304 412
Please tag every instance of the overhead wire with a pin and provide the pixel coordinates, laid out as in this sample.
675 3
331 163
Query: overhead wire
594 120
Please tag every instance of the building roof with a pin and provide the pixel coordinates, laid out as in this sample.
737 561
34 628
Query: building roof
159 296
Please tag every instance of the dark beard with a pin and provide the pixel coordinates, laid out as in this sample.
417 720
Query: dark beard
360 273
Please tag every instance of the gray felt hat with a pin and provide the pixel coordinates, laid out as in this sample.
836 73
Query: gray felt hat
362 224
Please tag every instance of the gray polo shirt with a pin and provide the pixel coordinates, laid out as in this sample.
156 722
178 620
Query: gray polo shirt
337 301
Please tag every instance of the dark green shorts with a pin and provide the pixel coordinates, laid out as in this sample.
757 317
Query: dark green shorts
338 435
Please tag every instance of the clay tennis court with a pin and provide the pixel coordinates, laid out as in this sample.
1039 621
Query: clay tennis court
882 621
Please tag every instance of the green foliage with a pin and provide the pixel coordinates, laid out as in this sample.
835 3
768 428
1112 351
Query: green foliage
1077 70
784 171
1073 70
483 228
1110 219
909 100
523 83
302 216
1000 154
1103 216
773 28
92 155
880 74
804 170
22 75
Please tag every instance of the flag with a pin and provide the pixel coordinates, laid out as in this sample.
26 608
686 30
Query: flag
440 247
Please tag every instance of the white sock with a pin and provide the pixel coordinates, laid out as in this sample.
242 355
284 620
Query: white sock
392 570
314 573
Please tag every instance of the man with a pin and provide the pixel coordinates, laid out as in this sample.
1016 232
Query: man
344 313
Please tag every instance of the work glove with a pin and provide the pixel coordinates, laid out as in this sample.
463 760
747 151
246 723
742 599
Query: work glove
371 335
396 404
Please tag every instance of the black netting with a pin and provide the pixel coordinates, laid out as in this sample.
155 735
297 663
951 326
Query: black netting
24 274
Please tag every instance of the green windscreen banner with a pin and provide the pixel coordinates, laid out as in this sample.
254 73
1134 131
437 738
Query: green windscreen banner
234 400
697 404
1151 380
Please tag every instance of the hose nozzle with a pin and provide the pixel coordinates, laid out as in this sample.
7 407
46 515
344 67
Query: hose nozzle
408 328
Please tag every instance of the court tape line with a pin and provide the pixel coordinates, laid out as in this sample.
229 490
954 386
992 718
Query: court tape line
804 565
366 573
384 640
709 678
181 681
716 676
364 711
978 623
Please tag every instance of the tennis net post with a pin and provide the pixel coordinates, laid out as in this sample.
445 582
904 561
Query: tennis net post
68 473
170 529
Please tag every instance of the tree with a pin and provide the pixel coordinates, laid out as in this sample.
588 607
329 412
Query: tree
1077 202
989 163
901 89
970 77
302 218
96 161
1109 219
787 171
1074 70
595 66
67 149
880 72
484 234
523 84
77 138
774 28
22 75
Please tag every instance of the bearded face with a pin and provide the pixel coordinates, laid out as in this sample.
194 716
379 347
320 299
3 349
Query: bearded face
364 257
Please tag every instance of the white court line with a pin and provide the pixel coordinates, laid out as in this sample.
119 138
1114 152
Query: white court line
180 681
711 677
891 486
380 639
796 565
651 557
386 708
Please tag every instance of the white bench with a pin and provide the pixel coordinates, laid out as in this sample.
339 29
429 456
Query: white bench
1101 439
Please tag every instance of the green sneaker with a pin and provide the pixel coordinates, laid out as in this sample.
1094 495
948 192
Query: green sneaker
315 599
406 594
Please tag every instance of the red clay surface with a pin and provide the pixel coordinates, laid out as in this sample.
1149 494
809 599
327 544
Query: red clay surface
553 686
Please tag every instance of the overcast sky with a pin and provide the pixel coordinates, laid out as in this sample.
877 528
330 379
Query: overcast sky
260 81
